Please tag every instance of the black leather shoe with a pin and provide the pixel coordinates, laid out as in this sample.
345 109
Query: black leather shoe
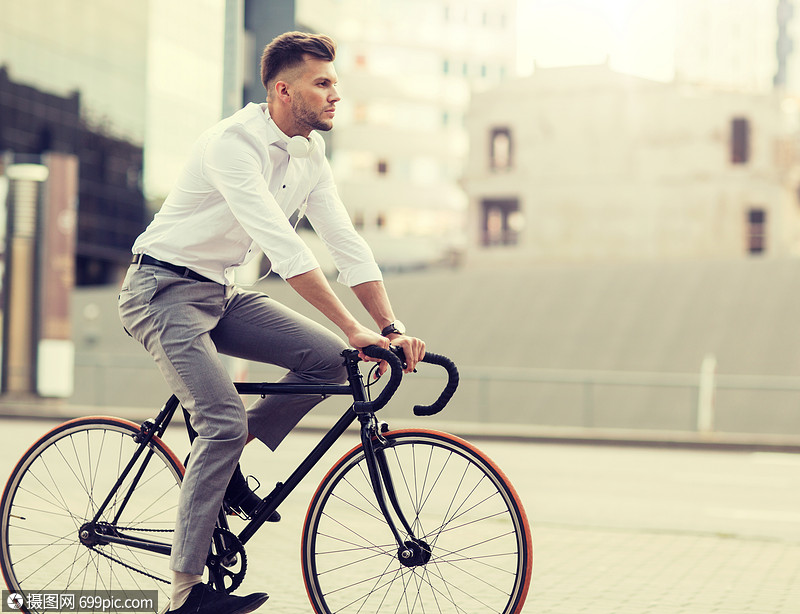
206 600
241 499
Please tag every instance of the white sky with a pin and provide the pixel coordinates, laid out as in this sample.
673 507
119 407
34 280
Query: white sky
637 36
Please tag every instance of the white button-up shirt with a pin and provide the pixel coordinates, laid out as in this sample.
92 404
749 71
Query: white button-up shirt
236 195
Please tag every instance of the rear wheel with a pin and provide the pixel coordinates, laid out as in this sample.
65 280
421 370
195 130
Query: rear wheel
473 552
55 491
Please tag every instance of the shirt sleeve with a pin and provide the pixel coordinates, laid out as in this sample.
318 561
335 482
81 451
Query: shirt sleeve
328 216
233 167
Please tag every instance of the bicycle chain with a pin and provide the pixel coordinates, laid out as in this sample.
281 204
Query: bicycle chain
132 568
144 530
238 549
126 565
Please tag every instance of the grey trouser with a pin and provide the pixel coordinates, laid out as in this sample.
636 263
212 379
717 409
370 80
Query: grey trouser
185 324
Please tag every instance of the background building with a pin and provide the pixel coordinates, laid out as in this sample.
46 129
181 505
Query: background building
97 47
74 81
183 93
262 21
583 163
111 209
407 70
738 44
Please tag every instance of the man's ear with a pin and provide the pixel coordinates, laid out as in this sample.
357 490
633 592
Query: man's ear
281 90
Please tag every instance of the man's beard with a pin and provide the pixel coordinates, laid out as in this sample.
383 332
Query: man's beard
305 116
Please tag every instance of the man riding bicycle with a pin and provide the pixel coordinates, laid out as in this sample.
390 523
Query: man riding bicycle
245 178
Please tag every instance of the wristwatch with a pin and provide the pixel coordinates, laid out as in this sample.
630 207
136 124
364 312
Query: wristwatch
395 328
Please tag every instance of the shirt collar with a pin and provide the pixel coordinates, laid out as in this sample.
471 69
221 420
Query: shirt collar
275 135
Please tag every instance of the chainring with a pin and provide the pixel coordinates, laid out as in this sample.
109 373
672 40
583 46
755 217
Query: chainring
227 563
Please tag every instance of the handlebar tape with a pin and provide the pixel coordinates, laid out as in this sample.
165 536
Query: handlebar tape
449 390
395 377
395 359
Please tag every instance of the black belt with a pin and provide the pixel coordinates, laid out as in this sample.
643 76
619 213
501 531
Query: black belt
180 270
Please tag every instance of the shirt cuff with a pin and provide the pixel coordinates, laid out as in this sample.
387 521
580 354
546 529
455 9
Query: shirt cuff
359 274
296 265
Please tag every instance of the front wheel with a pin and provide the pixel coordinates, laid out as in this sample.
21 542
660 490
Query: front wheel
476 554
55 491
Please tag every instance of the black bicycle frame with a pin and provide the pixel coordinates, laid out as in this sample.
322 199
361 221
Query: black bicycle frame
378 470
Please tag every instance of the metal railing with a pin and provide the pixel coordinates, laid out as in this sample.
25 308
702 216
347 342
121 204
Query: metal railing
482 386
704 387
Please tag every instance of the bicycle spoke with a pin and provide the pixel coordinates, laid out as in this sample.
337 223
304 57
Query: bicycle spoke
472 575
57 501
471 562
445 527
452 599
376 514
55 491
52 558
375 587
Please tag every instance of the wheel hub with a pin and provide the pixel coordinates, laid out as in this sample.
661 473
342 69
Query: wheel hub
414 553
88 535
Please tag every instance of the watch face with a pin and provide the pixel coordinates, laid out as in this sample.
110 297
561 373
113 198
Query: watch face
395 328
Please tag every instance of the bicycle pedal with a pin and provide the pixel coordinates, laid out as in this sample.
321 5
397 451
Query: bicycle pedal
229 511
230 561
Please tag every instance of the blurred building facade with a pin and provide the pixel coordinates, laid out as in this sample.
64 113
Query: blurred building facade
184 85
111 209
98 47
742 45
74 82
583 163
407 70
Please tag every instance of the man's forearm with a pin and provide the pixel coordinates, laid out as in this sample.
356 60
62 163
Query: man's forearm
373 297
315 289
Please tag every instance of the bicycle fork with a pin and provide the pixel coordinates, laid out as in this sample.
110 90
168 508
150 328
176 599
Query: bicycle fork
413 551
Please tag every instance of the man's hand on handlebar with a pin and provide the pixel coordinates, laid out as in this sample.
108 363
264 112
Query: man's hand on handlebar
393 357
413 348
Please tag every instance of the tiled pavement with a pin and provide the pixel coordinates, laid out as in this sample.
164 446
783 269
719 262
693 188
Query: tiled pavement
601 571
608 571
586 561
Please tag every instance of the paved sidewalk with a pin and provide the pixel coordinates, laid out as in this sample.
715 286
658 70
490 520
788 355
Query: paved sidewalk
602 571
614 550
616 530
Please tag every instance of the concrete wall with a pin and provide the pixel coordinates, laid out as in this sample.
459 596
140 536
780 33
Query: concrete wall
603 345
610 166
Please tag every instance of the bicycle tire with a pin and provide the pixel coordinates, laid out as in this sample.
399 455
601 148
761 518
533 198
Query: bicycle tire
59 484
464 508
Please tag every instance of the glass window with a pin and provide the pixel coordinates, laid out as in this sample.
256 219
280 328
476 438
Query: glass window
756 231
740 140
502 222
500 149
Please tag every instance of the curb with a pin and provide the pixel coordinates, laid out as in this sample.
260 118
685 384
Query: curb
524 433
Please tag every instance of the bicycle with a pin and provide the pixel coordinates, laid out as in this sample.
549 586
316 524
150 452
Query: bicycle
410 520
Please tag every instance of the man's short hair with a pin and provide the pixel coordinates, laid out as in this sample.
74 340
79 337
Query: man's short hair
289 50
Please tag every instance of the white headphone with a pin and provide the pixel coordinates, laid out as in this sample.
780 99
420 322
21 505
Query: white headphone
299 146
